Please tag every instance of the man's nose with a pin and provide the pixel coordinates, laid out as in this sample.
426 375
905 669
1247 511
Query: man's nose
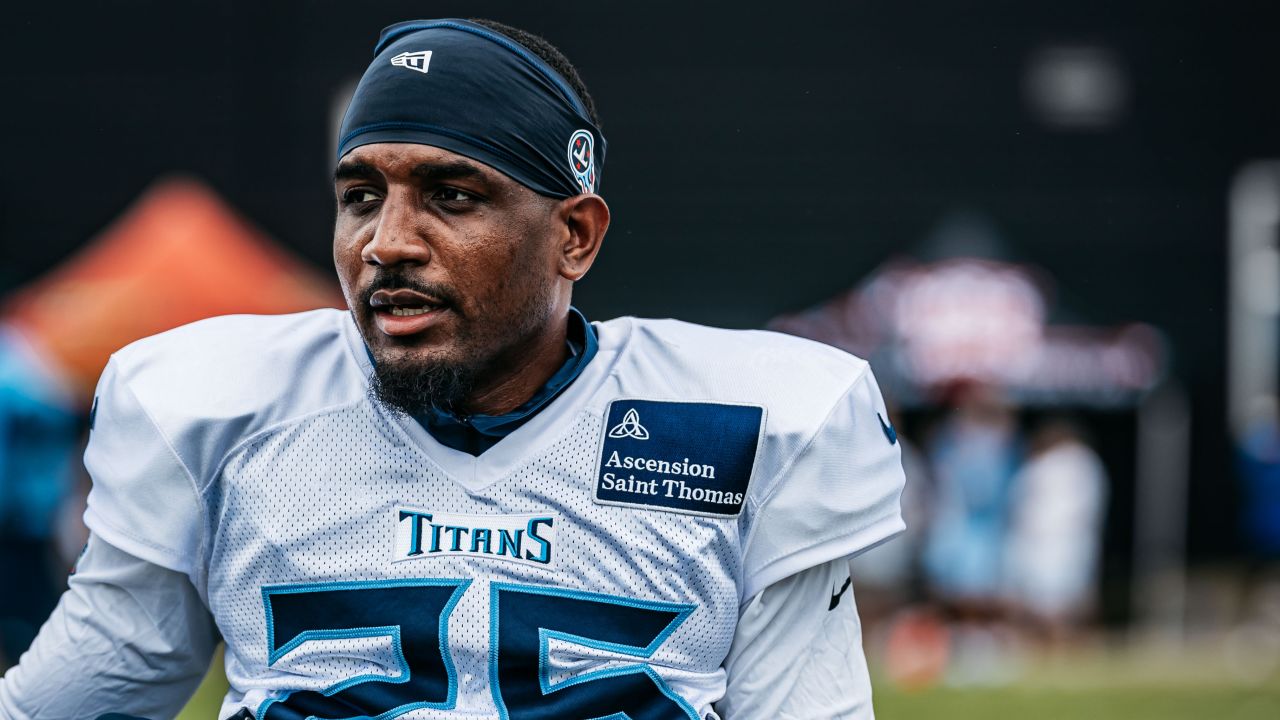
398 238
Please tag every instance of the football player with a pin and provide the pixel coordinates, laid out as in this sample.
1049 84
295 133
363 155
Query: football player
461 498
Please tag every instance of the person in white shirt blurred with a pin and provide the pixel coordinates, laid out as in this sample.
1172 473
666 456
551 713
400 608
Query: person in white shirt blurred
1058 511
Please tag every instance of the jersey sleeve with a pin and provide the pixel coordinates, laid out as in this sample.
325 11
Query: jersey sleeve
143 499
838 496
126 637
797 652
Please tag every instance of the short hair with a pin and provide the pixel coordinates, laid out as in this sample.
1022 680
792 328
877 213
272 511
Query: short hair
551 56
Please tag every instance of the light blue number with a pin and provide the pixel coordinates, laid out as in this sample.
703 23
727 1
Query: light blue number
524 620
414 613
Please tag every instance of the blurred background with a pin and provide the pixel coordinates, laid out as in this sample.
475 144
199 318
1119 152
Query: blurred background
1051 227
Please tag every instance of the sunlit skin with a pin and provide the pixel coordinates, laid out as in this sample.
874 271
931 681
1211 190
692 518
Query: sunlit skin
493 261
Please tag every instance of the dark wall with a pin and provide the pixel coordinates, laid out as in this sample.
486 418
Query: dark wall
760 159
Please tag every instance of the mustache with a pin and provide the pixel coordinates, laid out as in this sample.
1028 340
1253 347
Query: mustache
396 279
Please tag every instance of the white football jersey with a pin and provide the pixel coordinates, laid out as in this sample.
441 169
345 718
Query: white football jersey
592 563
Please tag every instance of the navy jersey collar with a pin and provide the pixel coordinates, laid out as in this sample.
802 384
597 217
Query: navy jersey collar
474 434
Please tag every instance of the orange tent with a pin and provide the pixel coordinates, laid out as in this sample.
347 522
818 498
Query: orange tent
178 255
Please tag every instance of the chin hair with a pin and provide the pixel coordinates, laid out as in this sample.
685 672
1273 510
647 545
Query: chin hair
411 389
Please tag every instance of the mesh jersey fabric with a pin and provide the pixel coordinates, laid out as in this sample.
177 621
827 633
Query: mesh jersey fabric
244 451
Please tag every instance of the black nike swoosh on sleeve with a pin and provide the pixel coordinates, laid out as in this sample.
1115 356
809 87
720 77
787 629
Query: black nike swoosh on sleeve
835 598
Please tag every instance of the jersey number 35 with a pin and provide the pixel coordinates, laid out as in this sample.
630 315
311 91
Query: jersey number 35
523 620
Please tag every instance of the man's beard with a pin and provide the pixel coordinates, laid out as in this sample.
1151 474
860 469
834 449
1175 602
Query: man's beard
413 389
405 386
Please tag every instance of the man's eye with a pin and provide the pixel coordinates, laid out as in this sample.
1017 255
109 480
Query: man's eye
359 195
454 195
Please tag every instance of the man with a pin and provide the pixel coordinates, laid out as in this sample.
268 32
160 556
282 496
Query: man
461 499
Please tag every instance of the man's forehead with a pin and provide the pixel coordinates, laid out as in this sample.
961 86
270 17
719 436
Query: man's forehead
396 158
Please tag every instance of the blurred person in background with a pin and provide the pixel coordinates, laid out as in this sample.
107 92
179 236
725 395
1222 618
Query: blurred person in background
1259 463
973 456
1059 502
1258 458
39 433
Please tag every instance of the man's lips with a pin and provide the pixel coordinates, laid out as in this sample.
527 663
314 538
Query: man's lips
404 298
405 312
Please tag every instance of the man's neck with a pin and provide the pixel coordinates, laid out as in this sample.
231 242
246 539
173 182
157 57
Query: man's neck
521 372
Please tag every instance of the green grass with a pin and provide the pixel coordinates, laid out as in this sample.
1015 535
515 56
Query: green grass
1120 703
1137 681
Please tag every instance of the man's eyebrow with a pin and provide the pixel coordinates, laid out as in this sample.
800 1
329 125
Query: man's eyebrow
355 171
434 172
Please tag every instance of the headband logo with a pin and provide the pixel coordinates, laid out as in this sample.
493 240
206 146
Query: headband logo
582 160
418 61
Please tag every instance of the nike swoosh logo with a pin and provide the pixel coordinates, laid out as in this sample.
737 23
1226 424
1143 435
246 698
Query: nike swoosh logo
889 432
835 598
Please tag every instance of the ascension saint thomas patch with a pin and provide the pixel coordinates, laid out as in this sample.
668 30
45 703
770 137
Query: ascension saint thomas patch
686 457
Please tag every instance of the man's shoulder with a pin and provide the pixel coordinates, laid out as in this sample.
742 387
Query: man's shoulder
797 383
238 329
719 357
239 366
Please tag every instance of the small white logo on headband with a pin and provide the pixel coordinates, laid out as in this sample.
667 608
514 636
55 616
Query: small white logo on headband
582 160
413 60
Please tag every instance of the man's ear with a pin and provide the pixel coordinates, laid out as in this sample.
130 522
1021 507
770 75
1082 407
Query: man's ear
586 219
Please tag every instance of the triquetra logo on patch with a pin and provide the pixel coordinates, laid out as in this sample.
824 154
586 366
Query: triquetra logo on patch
630 427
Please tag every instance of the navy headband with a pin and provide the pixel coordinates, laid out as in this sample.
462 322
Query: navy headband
467 89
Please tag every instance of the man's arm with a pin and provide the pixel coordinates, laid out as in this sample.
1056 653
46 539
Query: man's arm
128 636
797 649
797 652
131 634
